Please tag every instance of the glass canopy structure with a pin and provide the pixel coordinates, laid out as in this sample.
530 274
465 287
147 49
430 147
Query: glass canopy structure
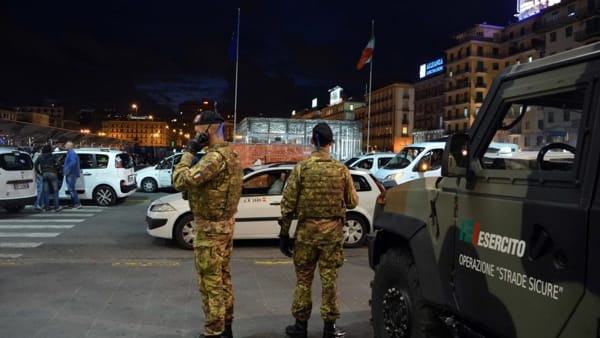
262 130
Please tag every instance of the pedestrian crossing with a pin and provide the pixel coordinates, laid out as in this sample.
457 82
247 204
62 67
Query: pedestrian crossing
31 229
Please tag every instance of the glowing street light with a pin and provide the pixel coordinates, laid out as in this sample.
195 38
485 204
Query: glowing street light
135 108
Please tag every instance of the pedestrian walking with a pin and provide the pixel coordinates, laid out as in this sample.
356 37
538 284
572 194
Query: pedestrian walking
213 187
71 171
47 165
318 192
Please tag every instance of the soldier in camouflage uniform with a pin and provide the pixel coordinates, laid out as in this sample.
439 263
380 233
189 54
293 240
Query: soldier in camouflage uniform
318 192
213 186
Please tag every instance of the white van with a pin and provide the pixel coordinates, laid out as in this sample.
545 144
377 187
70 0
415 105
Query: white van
17 180
414 161
106 175
371 162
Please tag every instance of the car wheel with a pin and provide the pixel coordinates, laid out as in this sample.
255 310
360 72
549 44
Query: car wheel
104 195
149 185
355 230
15 208
397 305
185 232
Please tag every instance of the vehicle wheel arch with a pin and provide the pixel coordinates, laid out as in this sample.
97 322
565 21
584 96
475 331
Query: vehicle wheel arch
413 237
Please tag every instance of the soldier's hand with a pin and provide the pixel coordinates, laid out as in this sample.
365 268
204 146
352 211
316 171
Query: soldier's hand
197 143
286 245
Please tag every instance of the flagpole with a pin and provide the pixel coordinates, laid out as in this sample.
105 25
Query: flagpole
237 58
370 81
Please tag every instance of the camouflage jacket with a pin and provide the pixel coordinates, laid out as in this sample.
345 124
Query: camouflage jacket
213 185
318 187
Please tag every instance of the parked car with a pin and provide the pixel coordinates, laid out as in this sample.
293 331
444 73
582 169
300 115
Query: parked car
106 175
412 162
159 176
170 216
371 162
17 179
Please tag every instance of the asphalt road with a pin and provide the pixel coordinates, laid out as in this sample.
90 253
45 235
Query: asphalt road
94 272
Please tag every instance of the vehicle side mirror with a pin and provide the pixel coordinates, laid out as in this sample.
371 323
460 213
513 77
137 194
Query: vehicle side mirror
424 164
455 157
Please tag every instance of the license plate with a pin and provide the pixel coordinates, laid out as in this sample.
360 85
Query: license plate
19 186
130 178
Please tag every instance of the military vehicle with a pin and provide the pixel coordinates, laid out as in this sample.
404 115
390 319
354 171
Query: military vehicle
507 243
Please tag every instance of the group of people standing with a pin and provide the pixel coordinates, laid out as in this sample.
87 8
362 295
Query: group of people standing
47 177
317 194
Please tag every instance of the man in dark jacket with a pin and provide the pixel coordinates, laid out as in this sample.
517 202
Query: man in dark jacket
46 164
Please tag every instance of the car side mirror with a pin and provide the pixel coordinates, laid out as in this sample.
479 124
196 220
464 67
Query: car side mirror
456 156
423 165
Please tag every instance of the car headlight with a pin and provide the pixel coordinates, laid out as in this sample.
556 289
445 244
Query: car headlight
394 176
162 207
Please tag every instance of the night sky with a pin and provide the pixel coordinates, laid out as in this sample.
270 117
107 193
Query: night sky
111 53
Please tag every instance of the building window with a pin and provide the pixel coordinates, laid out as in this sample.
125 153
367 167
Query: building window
567 115
540 125
495 51
571 10
568 31
479 51
550 117
466 112
552 36
495 66
479 97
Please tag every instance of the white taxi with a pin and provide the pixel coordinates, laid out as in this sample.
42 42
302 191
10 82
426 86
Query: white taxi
170 217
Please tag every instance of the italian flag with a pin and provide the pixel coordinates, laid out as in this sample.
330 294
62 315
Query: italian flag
367 54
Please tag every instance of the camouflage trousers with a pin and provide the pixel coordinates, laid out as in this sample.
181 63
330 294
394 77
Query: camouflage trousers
212 257
329 257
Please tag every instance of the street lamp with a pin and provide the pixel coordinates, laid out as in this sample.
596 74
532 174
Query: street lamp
135 108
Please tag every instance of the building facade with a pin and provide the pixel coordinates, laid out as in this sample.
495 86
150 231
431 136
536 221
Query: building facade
391 117
144 133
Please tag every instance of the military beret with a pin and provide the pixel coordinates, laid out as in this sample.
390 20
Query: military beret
324 132
208 117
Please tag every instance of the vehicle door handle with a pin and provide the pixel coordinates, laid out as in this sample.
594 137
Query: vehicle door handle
275 203
87 174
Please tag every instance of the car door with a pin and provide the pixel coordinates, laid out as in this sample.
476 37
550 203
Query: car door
258 211
521 220
165 171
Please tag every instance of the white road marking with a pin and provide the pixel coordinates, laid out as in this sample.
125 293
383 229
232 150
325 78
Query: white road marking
66 220
19 245
38 226
11 256
65 215
29 234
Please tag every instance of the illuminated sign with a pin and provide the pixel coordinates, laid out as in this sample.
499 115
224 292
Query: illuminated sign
314 103
431 68
335 95
527 8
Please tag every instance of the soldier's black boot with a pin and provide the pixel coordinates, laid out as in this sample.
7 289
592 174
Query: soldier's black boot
331 331
298 330
228 333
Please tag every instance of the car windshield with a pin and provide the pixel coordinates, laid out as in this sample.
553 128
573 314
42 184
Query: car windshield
349 161
15 161
404 158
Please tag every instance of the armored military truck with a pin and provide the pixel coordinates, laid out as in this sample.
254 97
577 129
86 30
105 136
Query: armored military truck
504 244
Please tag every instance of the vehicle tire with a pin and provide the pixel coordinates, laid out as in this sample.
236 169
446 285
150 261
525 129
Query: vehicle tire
356 229
15 208
397 305
149 185
184 232
104 195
